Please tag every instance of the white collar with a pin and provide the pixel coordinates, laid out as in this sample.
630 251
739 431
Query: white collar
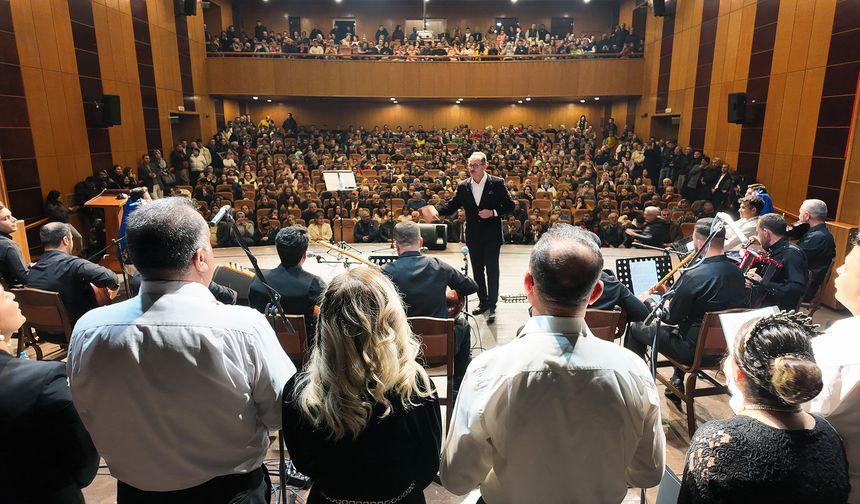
483 179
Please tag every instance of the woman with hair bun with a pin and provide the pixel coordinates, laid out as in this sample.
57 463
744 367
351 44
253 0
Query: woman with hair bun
363 420
772 451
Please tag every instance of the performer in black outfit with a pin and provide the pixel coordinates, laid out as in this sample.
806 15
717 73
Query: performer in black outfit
486 200
300 291
654 232
787 286
717 284
817 243
422 282
13 271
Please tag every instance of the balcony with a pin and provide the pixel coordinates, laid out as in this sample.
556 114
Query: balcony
567 77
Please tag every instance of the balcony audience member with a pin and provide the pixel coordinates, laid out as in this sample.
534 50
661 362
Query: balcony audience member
363 419
772 451
559 368
49 455
219 369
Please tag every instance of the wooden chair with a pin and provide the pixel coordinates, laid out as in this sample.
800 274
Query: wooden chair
45 312
815 303
603 323
542 204
227 195
250 202
295 344
710 349
437 345
687 228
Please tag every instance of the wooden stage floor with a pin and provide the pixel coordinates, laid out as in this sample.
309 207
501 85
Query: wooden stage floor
509 317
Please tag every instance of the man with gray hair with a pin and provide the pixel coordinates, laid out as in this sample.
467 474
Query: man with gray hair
59 271
178 391
423 282
817 243
556 397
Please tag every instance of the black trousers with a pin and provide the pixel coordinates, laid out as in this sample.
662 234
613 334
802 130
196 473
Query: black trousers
462 351
669 342
251 488
485 260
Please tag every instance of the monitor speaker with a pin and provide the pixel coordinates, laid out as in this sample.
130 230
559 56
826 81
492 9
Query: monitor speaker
737 108
435 236
659 8
110 111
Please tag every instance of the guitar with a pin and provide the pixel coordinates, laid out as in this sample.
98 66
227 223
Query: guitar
514 297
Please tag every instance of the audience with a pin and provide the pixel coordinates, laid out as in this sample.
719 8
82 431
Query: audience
556 397
363 419
772 451
13 271
817 243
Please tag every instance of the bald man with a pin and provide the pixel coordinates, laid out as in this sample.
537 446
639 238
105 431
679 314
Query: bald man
654 232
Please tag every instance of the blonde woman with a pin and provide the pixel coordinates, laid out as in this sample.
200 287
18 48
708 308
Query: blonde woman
363 419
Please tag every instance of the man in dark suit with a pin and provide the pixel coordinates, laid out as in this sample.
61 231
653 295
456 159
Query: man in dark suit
423 281
655 232
787 285
59 458
817 243
486 200
300 291
13 271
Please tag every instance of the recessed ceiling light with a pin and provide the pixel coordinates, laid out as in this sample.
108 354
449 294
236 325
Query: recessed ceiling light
519 101
268 101
513 1
528 98
581 101
596 98
393 99
255 97
394 102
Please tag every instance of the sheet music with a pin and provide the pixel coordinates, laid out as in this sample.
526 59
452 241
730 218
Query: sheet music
643 275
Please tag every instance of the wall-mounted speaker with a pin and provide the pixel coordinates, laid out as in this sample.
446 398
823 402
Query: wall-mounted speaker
737 108
659 7
185 7
111 114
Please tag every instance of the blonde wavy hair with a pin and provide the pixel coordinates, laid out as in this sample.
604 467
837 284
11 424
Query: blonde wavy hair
364 349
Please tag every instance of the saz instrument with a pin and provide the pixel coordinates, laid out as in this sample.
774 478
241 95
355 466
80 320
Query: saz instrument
674 270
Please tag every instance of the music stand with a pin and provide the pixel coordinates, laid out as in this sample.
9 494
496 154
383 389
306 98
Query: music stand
623 269
340 181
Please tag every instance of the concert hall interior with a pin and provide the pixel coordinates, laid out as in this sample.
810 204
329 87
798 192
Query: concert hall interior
359 251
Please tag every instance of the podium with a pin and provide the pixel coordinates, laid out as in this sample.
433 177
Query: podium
113 208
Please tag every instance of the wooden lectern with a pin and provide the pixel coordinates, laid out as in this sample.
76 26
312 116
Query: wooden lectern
112 204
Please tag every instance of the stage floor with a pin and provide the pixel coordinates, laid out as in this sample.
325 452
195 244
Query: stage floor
509 317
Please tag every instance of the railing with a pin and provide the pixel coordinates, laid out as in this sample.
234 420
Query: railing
351 56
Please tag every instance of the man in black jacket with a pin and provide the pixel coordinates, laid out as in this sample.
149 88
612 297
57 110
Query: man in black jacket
655 232
13 271
817 243
52 465
486 200
423 281
787 285
300 291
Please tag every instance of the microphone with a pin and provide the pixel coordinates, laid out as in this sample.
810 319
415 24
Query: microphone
223 211
312 254
464 250
728 221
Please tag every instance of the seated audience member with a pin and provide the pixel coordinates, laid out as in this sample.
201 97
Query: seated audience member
716 284
750 210
772 451
58 459
616 294
246 229
788 284
518 401
366 229
512 231
423 281
218 370
363 419
74 278
817 243
837 353
319 229
57 212
386 228
300 290
13 271
612 232
654 231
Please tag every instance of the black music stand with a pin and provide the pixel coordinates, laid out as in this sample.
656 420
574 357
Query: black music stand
341 181
622 268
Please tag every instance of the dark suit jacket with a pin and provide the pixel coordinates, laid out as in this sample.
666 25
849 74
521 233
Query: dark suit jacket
495 197
300 292
422 282
47 454
616 294
820 249
655 233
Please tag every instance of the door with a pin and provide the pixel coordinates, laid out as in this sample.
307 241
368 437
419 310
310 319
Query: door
509 24
212 18
561 26
343 26
295 25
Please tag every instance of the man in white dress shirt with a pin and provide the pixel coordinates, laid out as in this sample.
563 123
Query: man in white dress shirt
750 210
178 391
837 353
557 415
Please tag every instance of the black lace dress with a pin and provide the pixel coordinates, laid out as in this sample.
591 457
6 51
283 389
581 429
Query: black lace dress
744 460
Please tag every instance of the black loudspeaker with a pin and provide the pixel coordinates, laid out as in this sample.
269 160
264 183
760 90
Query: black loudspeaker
435 236
737 108
111 115
659 8
186 8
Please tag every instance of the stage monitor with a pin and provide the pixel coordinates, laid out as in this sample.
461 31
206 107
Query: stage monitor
435 236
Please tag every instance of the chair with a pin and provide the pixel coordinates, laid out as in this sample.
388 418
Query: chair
815 303
710 349
241 202
542 204
603 323
46 312
670 487
687 228
295 344
437 352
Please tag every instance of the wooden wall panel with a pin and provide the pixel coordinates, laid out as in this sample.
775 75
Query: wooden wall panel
333 113
277 77
168 85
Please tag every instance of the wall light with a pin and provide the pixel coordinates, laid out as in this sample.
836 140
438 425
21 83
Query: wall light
393 99
520 102
596 98
528 98
268 101
581 101
255 97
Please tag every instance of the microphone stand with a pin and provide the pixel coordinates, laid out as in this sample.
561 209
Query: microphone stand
469 316
665 250
100 254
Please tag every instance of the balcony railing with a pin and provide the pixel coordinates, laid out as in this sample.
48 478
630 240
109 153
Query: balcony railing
352 56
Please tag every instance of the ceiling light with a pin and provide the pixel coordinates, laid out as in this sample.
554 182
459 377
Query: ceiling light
519 101
528 98
596 98
393 99
513 1
581 101
585 1
255 97
394 102
337 1
268 101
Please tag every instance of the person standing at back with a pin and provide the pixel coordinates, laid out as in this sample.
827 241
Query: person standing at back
557 415
13 271
178 391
